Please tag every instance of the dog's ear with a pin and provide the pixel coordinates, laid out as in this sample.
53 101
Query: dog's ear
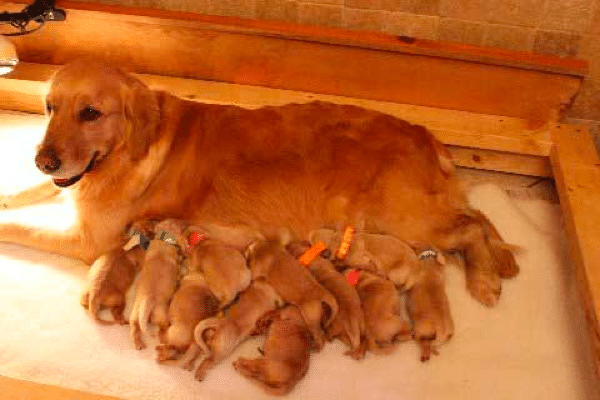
142 113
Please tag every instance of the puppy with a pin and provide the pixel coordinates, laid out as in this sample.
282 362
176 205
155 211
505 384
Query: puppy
380 301
270 261
349 324
158 281
223 266
218 337
192 302
428 305
108 281
382 254
286 354
111 275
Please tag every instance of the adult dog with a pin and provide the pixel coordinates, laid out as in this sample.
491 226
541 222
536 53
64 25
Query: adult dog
127 152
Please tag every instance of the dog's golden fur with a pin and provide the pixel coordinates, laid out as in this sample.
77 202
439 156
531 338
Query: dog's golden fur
300 166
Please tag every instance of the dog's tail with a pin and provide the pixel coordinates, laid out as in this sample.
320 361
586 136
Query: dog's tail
199 331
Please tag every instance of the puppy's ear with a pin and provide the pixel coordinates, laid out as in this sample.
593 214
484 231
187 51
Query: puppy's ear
142 113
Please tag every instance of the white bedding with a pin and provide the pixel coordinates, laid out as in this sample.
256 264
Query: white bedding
531 346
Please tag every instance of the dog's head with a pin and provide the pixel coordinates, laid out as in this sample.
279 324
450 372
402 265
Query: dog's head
95 110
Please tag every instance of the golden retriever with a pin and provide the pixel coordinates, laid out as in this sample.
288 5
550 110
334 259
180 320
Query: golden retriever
128 152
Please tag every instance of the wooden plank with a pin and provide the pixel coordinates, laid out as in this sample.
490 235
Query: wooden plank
327 35
458 128
26 96
577 175
15 389
198 49
490 160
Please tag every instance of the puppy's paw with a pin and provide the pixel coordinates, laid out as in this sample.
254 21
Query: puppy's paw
165 352
248 368
485 287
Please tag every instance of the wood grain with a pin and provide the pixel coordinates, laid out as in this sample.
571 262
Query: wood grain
577 175
319 60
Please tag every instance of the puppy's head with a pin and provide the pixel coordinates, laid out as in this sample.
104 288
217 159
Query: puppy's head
94 110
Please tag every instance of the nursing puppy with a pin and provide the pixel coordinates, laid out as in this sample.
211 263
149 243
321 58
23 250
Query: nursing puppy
109 279
428 305
158 281
349 323
270 261
384 255
218 337
285 357
192 302
111 276
223 266
380 301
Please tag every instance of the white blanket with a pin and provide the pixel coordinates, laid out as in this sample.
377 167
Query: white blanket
531 346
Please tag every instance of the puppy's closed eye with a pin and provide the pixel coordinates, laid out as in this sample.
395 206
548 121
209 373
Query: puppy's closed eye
89 114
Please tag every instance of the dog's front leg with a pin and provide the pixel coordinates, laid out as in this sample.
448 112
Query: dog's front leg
34 195
67 243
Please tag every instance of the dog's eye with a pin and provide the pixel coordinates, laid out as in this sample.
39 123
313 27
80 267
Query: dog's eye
48 107
89 114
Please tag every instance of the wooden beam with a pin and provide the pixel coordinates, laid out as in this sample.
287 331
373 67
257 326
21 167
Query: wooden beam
327 61
577 175
327 35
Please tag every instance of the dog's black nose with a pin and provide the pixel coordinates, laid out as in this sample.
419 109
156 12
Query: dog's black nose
47 161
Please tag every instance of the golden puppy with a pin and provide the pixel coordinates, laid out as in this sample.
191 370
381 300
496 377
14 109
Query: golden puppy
158 281
223 266
380 300
286 354
428 305
127 152
349 324
270 261
192 302
382 254
218 337
109 279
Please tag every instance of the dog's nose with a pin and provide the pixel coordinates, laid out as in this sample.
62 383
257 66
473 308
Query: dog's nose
47 161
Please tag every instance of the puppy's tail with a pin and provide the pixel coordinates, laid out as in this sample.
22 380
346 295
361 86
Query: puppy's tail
201 328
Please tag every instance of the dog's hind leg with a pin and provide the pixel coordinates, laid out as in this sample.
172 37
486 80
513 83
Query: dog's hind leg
487 257
41 193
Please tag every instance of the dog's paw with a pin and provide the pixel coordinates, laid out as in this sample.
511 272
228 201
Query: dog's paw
485 287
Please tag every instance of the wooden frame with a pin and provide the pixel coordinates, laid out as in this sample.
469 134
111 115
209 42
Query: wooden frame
508 125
